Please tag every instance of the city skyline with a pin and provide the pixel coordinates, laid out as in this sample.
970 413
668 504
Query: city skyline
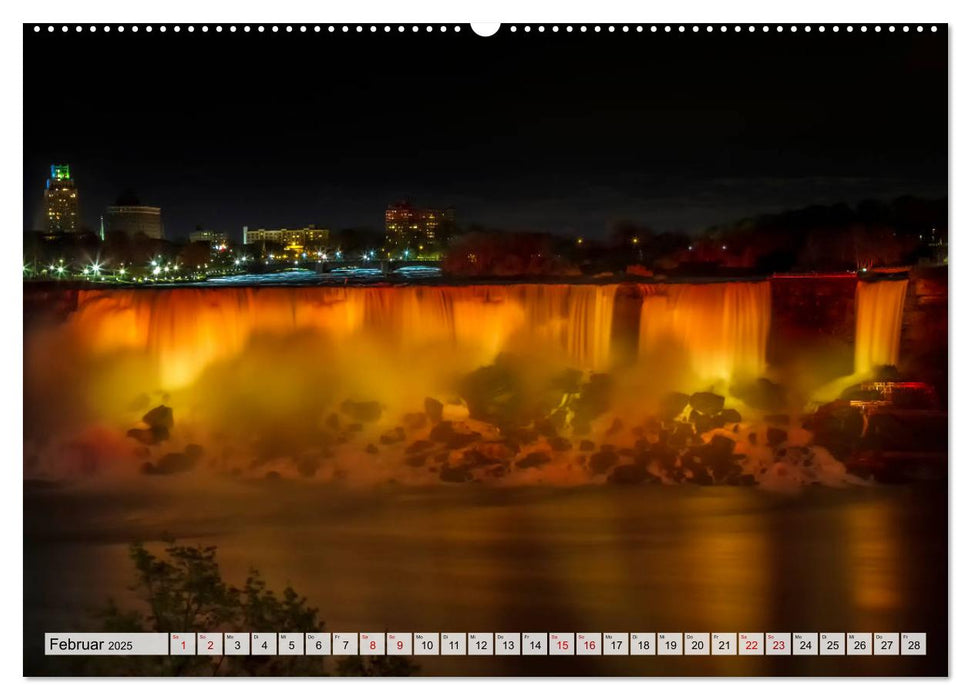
661 129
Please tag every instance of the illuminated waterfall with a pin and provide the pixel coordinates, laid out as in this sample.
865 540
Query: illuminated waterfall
879 319
185 330
720 329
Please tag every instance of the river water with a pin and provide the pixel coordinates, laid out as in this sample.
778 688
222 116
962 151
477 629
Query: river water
476 558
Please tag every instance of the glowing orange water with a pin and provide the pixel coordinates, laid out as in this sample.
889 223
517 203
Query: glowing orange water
722 328
185 330
879 319
718 331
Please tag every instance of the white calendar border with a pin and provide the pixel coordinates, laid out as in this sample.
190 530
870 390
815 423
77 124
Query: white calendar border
11 385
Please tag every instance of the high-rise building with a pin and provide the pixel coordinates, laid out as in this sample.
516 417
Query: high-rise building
131 217
61 201
294 239
217 239
407 227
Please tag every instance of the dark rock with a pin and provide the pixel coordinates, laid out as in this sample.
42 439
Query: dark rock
680 436
672 405
419 446
593 401
707 402
174 462
700 477
587 445
194 452
666 458
641 445
333 422
149 436
416 460
715 459
775 436
629 474
545 427
308 465
886 373
446 432
560 444
474 458
702 422
414 421
498 471
392 436
495 393
730 415
273 475
371 448
601 462
740 480
455 475
355 427
907 432
159 417
753 439
721 446
434 409
459 440
171 463
362 411
442 431
615 427
533 459
838 427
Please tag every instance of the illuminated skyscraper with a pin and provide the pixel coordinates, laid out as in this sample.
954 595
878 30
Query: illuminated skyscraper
61 201
407 227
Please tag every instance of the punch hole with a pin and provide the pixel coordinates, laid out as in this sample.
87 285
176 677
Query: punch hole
485 29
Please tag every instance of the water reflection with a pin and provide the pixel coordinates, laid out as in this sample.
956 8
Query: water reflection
586 559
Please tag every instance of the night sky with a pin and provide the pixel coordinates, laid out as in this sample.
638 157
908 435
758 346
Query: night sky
558 132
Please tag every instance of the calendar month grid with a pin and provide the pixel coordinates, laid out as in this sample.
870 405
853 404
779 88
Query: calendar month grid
487 644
